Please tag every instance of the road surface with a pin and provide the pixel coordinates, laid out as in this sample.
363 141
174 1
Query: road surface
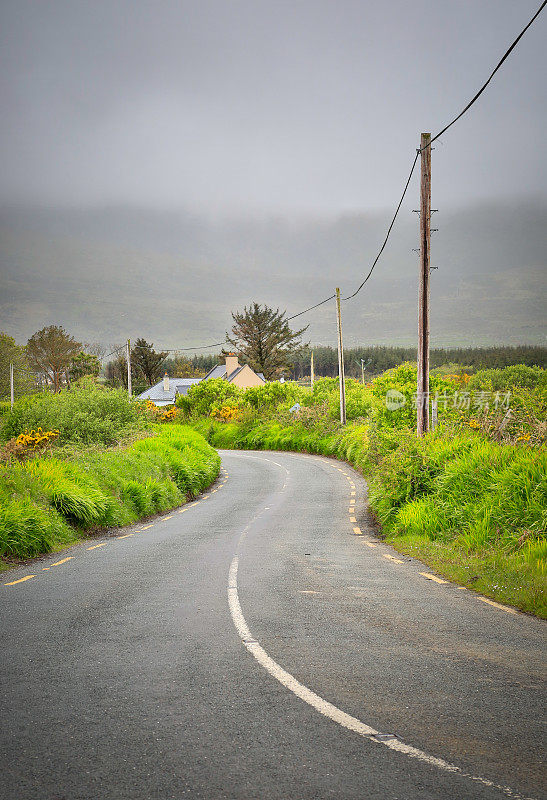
262 643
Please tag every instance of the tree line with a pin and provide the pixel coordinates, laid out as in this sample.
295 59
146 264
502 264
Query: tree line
260 336
382 357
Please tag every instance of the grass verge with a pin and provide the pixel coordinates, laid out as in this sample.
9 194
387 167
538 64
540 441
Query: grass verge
49 502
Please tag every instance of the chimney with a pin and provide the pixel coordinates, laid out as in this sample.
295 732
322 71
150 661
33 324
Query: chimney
231 363
166 382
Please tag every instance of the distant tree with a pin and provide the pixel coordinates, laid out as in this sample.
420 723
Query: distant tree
12 353
116 372
264 340
205 363
50 352
84 364
146 362
96 349
181 367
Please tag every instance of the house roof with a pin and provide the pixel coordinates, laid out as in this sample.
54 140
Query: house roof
220 372
216 372
176 386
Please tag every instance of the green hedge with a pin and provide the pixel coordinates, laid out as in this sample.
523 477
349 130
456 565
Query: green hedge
48 501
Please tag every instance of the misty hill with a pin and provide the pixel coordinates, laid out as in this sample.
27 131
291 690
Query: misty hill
110 273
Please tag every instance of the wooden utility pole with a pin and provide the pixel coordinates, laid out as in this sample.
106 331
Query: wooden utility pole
422 398
11 387
363 371
312 373
341 376
129 386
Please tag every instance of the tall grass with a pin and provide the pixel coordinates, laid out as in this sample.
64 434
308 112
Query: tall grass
48 501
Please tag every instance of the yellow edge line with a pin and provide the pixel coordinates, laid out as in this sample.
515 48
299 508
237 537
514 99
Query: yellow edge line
97 545
498 605
432 577
26 578
392 558
125 536
61 562
358 531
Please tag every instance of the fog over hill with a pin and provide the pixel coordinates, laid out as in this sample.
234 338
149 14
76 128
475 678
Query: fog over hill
108 273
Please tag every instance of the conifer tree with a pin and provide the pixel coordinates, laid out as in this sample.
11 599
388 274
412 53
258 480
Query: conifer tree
263 339
146 362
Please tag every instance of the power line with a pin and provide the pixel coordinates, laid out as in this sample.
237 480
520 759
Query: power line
388 230
180 349
326 300
481 90
439 134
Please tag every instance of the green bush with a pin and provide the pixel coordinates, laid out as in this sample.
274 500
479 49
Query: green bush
403 380
203 397
82 416
273 394
509 378
359 401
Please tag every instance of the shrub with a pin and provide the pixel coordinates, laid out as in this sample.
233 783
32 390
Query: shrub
517 376
85 416
273 394
27 443
225 414
206 395
403 379
358 401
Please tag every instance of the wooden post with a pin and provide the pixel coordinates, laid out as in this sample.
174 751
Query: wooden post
341 376
434 414
312 373
129 386
422 394
363 371
11 387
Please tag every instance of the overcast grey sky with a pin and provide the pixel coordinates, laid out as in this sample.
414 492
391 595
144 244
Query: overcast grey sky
262 105
165 163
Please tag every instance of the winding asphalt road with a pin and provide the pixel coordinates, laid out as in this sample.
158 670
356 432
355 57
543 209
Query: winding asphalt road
262 643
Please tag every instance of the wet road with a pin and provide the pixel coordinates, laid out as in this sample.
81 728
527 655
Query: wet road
261 643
